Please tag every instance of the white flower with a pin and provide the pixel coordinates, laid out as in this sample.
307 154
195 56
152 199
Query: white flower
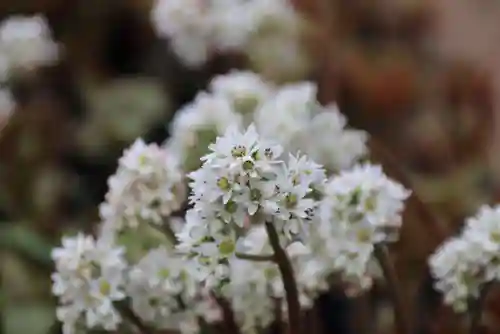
284 115
290 116
25 42
198 29
254 285
359 209
367 200
242 184
89 278
457 268
186 25
234 151
192 48
209 244
164 291
147 187
462 265
246 90
197 125
233 22
328 127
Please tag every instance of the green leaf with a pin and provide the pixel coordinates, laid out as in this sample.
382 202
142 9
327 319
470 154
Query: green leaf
27 243
32 319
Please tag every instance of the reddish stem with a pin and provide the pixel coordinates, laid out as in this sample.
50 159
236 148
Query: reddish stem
290 285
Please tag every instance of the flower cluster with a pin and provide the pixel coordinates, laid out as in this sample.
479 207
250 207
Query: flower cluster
361 208
147 187
164 293
25 43
90 278
464 264
243 183
255 193
197 29
289 115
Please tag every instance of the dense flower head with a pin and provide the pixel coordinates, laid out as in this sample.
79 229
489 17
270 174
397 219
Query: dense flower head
243 182
360 209
25 42
464 264
164 292
365 201
147 187
89 278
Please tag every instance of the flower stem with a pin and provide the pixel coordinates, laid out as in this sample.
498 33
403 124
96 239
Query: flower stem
166 229
401 318
290 285
127 313
230 325
255 258
476 309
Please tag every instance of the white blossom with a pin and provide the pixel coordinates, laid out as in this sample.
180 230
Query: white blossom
255 156
197 125
326 127
464 264
147 187
199 29
25 43
289 115
89 278
165 293
255 288
187 26
286 113
242 183
359 209
245 90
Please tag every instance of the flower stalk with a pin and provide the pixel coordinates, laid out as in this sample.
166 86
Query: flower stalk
401 318
255 258
290 285
476 306
128 314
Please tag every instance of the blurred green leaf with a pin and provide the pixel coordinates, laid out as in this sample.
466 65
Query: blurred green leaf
32 319
27 243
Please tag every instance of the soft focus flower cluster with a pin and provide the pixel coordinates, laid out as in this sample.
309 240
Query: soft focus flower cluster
198 29
146 187
89 278
290 115
463 265
94 278
25 43
258 158
164 292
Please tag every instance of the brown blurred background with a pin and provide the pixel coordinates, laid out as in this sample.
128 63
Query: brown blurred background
421 76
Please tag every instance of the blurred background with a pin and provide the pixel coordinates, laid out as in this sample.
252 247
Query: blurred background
421 76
